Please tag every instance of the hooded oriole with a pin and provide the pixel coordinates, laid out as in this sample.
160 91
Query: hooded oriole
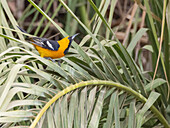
51 49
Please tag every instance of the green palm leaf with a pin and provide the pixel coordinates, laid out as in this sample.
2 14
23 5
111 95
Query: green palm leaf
98 84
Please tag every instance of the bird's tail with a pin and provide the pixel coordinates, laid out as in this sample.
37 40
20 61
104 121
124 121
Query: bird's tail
27 37
22 30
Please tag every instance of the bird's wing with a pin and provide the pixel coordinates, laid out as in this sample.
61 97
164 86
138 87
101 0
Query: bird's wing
45 43
42 42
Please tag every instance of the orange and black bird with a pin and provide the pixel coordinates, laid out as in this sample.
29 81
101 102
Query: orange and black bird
51 49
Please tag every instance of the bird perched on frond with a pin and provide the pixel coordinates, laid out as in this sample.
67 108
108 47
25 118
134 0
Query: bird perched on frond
51 49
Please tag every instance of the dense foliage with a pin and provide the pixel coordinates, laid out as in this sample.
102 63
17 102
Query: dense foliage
115 75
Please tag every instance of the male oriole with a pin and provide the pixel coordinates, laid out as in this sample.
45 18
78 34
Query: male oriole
51 49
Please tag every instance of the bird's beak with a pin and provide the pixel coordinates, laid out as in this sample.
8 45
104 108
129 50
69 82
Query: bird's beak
74 36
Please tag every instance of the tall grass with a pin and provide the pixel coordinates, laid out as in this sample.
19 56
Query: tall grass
102 82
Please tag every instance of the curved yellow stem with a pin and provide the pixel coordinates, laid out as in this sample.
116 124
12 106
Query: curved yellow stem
99 83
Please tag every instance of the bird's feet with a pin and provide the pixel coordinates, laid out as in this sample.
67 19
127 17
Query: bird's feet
49 58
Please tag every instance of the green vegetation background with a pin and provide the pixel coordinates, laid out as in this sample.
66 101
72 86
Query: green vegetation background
115 75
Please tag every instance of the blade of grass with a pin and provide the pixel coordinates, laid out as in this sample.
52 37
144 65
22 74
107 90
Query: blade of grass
94 122
11 17
155 36
50 120
72 108
112 7
13 119
135 39
52 17
25 102
98 24
44 14
8 32
17 113
41 3
87 75
57 114
110 114
91 102
76 74
72 6
83 108
167 44
152 98
31 89
154 84
116 112
131 121
8 83
43 18
64 111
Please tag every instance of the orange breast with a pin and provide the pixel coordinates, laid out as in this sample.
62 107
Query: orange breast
54 54
49 53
